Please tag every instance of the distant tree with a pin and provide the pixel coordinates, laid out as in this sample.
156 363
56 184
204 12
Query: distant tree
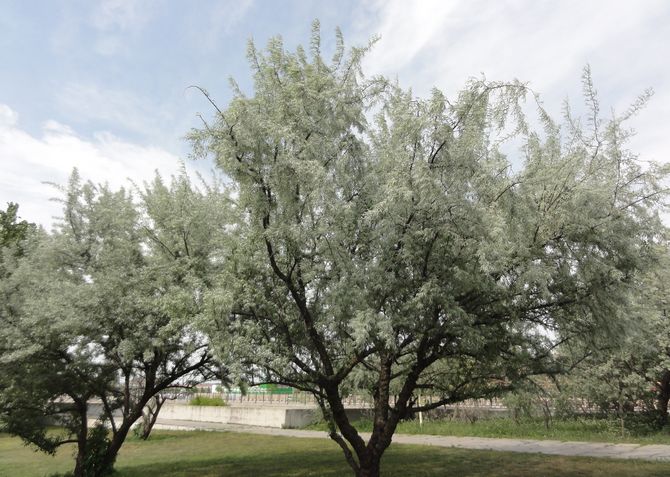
657 294
387 243
634 371
103 311
13 232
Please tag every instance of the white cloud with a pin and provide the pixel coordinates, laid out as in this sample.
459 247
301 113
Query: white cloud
8 117
442 43
27 161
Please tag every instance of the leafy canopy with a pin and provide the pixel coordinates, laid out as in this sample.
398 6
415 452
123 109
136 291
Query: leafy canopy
386 242
104 309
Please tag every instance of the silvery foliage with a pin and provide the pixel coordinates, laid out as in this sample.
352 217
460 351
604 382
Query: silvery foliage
387 244
103 307
632 372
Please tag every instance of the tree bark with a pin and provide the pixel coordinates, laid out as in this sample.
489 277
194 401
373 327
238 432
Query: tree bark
371 469
368 456
663 397
82 440
118 439
150 418
80 458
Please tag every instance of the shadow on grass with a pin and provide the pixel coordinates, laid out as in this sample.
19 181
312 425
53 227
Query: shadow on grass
210 454
401 460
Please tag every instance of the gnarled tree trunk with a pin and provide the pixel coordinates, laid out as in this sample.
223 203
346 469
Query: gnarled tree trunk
366 462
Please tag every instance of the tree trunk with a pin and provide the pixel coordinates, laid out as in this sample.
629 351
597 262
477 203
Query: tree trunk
546 413
385 422
149 420
114 446
370 469
663 396
82 440
80 458
118 439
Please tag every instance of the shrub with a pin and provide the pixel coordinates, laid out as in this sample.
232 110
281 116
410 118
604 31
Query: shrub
207 401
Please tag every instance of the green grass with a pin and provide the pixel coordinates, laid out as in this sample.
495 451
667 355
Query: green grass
207 401
203 454
584 429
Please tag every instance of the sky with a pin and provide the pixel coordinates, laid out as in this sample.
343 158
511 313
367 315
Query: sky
104 85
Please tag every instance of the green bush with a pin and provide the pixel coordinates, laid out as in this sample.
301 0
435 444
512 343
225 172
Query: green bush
207 401
97 443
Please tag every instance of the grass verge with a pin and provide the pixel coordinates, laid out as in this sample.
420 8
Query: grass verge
185 454
578 429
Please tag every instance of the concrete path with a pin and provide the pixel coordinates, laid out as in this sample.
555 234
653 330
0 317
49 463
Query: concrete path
586 449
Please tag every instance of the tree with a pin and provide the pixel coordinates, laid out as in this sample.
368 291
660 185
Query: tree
658 348
13 232
633 372
102 311
387 243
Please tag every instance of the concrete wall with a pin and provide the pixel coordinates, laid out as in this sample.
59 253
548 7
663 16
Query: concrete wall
297 418
288 417
275 416
267 416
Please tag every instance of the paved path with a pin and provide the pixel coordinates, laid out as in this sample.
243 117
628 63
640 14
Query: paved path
588 449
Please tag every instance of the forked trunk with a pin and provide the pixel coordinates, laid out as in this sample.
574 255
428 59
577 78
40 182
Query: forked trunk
385 421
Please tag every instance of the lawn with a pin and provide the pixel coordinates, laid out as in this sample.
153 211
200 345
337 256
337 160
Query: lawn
203 454
577 429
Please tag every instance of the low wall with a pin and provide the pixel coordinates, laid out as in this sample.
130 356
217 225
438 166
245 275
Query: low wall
274 416
267 416
286 417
